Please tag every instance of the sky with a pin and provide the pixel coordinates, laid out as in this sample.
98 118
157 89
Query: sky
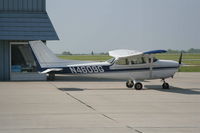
102 25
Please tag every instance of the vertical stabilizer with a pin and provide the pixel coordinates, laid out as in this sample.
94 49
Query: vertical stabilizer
45 57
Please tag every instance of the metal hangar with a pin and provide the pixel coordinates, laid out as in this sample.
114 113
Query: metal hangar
20 22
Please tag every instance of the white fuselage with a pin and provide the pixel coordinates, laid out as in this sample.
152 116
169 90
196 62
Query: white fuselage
159 69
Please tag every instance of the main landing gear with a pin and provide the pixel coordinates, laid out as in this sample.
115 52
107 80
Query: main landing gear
129 84
137 85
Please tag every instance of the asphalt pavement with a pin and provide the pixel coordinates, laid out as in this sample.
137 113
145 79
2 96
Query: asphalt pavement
74 104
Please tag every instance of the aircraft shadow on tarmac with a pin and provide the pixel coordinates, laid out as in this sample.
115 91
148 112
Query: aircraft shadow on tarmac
188 91
89 79
82 89
81 78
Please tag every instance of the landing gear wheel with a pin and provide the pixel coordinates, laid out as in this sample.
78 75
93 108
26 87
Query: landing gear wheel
51 77
138 86
165 86
129 84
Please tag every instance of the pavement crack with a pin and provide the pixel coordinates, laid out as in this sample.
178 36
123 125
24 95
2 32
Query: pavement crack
90 107
102 114
129 127
108 117
81 101
138 131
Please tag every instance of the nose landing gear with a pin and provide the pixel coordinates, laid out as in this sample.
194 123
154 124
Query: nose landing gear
165 85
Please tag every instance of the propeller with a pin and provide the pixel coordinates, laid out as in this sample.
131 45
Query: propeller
180 58
180 61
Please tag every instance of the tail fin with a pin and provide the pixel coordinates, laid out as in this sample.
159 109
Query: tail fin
45 57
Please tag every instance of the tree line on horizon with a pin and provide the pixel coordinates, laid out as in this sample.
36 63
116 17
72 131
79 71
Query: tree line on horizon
191 50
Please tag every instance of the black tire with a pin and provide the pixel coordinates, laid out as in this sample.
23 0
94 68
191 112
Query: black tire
165 86
138 86
129 84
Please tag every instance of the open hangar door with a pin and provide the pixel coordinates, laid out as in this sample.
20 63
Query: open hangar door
23 64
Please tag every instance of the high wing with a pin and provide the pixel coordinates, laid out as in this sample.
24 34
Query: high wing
124 53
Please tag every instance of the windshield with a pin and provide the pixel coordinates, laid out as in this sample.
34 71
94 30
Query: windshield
111 60
154 59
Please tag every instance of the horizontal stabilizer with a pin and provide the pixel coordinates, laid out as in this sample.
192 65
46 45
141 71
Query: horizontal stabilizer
52 69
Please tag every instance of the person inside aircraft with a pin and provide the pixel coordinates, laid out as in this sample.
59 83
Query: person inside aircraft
132 61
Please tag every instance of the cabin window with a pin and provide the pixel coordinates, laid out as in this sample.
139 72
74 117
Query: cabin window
132 61
139 60
122 62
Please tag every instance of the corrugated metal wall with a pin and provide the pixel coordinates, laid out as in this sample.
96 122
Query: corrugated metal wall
23 5
4 60
25 20
26 26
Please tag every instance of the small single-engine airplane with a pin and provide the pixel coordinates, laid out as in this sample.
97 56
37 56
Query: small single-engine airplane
127 64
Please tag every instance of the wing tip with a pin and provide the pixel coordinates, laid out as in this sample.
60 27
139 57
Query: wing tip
155 51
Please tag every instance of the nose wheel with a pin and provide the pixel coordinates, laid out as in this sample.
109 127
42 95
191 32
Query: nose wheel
165 85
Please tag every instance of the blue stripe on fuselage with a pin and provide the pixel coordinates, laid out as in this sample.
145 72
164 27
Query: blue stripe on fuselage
103 69
141 69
